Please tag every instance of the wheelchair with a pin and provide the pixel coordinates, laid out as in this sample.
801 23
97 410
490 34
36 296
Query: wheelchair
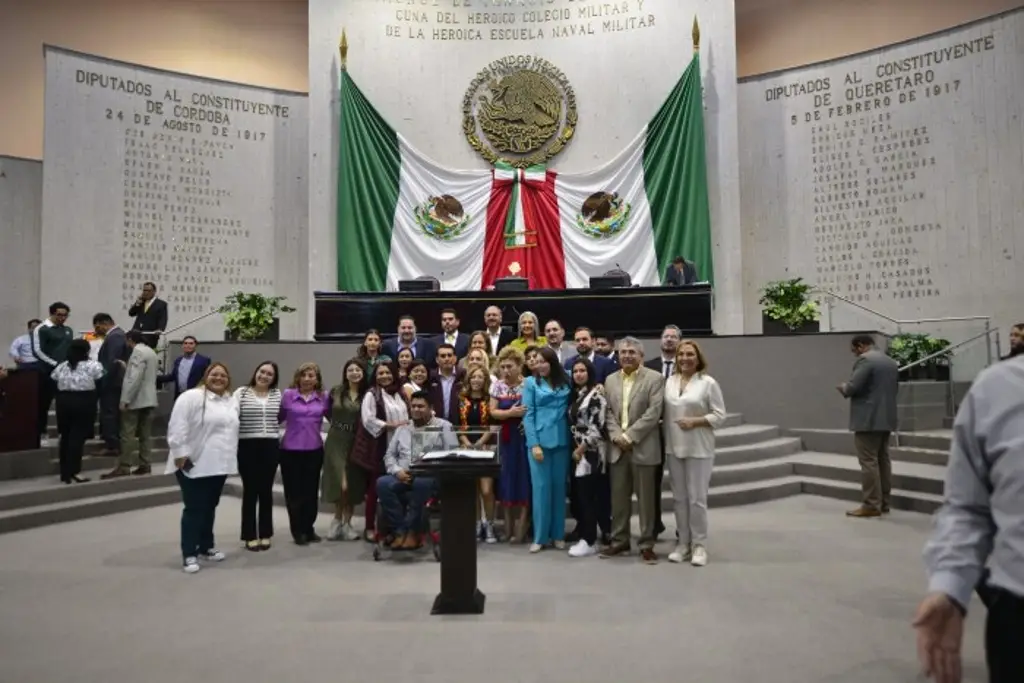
429 534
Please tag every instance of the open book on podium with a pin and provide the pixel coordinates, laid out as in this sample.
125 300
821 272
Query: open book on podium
449 444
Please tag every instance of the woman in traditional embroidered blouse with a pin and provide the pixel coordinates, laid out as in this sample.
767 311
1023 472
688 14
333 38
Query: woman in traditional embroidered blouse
369 350
202 437
694 408
507 408
383 411
587 410
343 482
259 404
419 379
528 327
76 407
304 406
474 411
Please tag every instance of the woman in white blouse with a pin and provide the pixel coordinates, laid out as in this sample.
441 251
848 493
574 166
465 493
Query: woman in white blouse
694 407
383 411
203 440
76 407
258 453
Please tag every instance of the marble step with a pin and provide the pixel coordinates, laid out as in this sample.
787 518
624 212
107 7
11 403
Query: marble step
22 518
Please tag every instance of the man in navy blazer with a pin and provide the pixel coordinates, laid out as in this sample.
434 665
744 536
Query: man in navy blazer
603 366
188 368
421 347
680 272
451 334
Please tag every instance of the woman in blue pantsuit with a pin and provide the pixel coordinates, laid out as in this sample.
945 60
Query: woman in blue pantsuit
546 398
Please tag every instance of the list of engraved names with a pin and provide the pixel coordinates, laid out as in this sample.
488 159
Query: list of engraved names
876 162
186 223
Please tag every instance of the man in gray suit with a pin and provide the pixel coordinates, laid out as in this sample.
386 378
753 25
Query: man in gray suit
635 395
872 392
138 405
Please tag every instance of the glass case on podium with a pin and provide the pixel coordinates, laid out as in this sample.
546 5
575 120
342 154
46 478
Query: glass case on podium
448 446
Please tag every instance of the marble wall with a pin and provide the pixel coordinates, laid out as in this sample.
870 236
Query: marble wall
893 179
415 61
21 191
196 184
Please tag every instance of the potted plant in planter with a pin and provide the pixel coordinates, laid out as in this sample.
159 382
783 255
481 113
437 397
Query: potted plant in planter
787 308
251 317
938 367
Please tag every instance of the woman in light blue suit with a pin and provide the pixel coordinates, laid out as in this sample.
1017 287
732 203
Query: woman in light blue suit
546 397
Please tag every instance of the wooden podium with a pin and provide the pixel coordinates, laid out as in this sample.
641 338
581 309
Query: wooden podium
18 407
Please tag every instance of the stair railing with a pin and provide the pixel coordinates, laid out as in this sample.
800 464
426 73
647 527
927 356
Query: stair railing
165 336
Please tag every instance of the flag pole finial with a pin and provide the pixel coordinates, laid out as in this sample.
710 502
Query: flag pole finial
343 49
696 35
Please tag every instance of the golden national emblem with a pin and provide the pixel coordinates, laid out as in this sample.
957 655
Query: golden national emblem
520 110
442 217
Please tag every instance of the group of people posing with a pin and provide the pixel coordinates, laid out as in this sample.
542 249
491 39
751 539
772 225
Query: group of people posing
592 428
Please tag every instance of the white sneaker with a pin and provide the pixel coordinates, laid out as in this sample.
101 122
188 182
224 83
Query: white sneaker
582 549
681 554
348 533
212 555
44 442
559 545
536 547
334 531
489 536
191 565
700 556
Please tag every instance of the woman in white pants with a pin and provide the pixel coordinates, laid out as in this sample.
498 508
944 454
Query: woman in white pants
694 407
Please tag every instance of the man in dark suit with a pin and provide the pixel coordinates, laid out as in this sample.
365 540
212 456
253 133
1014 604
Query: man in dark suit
603 366
872 389
445 385
680 272
113 356
150 315
421 347
604 345
188 368
450 333
499 336
664 364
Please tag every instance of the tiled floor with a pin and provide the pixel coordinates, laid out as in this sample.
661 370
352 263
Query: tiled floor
794 593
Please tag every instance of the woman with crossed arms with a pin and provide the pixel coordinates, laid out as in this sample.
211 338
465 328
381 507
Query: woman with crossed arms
694 408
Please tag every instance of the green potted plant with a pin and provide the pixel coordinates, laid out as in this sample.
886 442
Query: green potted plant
251 317
910 347
787 308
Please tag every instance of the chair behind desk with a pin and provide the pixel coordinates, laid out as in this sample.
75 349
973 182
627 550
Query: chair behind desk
18 406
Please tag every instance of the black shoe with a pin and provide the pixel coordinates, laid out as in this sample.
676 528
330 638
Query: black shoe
252 546
301 540
313 538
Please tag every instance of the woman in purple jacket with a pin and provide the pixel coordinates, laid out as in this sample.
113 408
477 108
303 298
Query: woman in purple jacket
303 408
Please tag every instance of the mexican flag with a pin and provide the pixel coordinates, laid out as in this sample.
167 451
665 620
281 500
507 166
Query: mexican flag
400 215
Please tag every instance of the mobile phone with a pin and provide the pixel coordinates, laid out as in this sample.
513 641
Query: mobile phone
187 467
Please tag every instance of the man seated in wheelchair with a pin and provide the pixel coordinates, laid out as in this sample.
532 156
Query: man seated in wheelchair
401 496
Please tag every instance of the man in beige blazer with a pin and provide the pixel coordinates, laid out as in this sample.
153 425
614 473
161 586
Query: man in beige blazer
138 405
635 395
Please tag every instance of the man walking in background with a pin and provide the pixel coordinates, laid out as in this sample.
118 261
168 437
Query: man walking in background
984 480
113 356
872 392
138 405
50 341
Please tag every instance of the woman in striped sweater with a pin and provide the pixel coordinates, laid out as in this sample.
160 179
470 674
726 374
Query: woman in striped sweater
258 406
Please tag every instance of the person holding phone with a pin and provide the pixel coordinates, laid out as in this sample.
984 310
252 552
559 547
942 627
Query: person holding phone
203 440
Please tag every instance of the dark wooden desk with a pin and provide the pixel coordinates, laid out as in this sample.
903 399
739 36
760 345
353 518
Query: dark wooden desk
18 407
639 311
458 492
